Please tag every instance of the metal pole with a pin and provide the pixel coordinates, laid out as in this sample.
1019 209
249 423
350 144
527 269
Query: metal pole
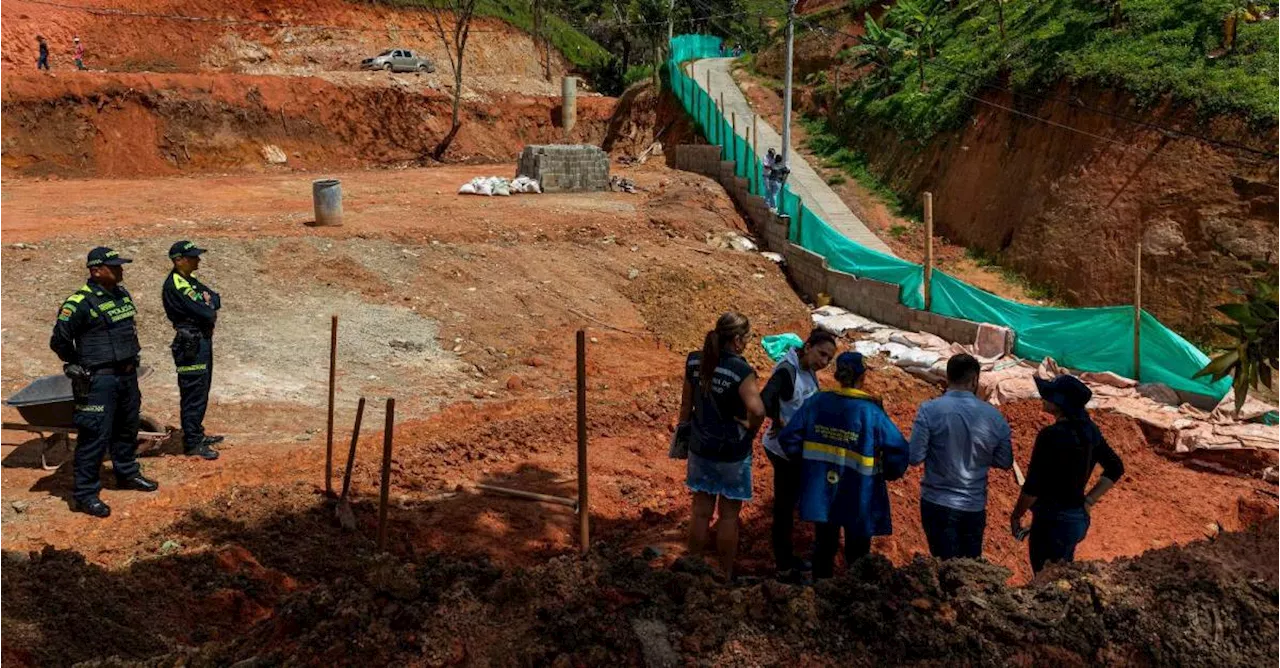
928 251
584 513
333 368
786 83
1137 313
386 473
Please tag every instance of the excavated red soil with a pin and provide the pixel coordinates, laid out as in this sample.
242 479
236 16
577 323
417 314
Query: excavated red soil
130 125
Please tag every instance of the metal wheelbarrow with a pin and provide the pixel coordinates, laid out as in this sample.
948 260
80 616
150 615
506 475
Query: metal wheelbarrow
48 407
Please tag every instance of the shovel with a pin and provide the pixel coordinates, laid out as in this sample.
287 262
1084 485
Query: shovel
346 516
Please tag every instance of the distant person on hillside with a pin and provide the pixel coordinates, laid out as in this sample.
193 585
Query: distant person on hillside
847 448
722 407
1061 465
42 62
771 183
794 380
958 437
79 55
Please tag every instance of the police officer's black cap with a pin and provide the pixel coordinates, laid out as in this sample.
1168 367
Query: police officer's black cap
184 249
103 255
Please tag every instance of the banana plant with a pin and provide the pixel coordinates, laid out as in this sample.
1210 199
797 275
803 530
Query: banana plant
1239 11
921 20
1255 326
878 47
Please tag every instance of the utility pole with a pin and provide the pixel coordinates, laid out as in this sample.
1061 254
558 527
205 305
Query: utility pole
671 14
786 82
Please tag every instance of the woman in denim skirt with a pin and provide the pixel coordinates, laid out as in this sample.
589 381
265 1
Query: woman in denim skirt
722 407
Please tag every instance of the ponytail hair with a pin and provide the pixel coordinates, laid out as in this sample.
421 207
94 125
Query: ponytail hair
729 326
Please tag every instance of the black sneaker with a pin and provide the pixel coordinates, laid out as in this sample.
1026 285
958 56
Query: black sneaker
213 440
139 483
202 451
93 506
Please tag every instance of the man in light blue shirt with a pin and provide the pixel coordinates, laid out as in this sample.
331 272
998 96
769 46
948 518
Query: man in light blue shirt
958 437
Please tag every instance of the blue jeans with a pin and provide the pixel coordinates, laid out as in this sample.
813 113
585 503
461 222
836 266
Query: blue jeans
953 533
771 188
1055 532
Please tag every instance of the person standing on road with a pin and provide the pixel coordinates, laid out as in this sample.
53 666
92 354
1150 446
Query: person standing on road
96 338
771 180
794 380
192 307
847 448
722 406
1061 464
42 62
958 437
79 55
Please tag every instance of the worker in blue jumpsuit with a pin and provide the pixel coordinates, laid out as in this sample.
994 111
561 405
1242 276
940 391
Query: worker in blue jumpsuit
847 447
192 307
97 339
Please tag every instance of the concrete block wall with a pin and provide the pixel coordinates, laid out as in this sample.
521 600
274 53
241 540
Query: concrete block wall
565 167
809 271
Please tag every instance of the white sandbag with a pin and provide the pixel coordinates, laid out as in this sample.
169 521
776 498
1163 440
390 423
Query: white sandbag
467 189
502 190
866 347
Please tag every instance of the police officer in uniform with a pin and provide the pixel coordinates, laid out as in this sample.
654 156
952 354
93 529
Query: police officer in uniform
193 308
97 340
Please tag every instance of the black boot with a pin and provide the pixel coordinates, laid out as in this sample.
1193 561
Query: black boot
202 451
139 483
93 506
213 440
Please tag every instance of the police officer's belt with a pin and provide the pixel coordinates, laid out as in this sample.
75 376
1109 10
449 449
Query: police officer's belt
115 368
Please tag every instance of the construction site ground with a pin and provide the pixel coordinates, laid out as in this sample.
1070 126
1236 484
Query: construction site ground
464 309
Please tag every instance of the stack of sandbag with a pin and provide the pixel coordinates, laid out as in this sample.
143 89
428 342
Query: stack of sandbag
524 184
486 185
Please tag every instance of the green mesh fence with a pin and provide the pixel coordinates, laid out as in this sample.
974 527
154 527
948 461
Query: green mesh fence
1089 339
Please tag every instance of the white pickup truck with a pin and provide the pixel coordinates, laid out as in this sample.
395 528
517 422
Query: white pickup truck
398 60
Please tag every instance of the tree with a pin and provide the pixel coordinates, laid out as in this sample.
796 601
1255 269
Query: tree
878 47
1000 16
453 32
649 19
921 22
1255 326
1238 11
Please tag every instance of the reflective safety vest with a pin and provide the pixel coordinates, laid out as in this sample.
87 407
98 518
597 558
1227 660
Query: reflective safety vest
110 335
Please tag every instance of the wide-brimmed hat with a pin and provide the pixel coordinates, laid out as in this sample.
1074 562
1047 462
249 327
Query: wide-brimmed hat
1066 392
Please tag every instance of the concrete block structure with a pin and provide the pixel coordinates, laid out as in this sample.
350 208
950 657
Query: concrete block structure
562 168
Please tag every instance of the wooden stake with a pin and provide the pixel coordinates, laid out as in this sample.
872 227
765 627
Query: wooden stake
733 137
333 368
928 251
385 492
584 513
1137 313
799 218
755 150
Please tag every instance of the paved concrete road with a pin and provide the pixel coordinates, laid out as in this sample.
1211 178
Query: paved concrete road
804 181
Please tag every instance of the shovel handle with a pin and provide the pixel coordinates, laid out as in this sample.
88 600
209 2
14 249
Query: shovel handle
1017 475
351 454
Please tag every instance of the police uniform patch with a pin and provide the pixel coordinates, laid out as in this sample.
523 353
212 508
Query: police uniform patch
833 477
65 313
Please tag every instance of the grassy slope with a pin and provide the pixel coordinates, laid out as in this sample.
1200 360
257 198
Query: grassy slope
1161 47
582 51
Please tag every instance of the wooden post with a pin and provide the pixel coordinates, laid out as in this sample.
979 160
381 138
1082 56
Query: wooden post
386 473
584 512
755 152
733 137
1137 313
333 368
799 218
928 251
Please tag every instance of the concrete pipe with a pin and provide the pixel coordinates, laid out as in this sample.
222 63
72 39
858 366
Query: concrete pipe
326 194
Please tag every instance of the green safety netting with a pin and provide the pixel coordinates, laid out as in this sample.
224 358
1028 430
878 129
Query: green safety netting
1088 339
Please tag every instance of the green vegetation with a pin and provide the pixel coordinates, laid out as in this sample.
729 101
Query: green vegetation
835 179
899 231
834 154
637 73
579 49
1214 54
1255 328
1033 290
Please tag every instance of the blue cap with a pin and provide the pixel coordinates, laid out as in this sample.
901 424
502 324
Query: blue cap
851 361
184 249
105 256
1066 392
